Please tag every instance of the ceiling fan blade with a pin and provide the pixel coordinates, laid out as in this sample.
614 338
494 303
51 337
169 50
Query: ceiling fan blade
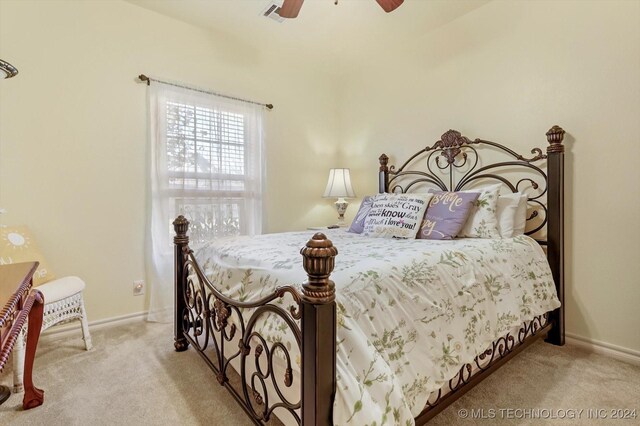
390 5
290 8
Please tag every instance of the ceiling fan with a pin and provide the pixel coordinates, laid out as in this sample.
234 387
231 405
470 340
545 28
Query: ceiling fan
291 8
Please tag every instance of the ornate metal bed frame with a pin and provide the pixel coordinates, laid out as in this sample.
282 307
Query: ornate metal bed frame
208 320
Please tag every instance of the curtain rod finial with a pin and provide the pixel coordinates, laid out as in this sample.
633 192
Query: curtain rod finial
269 106
143 77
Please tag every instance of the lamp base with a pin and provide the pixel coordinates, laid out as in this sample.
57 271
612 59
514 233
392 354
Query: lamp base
341 206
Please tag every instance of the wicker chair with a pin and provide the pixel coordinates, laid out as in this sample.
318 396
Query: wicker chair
63 302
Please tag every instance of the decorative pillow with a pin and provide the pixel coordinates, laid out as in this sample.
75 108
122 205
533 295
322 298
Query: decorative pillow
18 245
396 215
482 222
357 226
446 214
520 221
506 213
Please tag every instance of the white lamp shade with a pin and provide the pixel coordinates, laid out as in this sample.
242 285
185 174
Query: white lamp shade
339 184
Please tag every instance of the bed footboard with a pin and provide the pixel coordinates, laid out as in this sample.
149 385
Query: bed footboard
217 329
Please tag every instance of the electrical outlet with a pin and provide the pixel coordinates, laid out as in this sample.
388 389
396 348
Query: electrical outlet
138 287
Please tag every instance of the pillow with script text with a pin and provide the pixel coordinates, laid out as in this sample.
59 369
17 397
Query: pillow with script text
446 214
395 215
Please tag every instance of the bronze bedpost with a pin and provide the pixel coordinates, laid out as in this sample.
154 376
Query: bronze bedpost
383 176
555 227
318 332
180 241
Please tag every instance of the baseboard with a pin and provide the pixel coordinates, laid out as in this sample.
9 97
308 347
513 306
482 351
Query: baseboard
614 351
66 330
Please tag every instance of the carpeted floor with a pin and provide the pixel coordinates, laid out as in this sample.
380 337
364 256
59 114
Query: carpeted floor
134 377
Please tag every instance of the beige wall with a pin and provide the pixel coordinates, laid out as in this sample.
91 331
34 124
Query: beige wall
73 131
507 72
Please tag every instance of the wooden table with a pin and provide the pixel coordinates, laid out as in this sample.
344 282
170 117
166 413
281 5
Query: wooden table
18 302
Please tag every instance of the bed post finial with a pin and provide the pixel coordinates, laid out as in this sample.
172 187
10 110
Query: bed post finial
384 160
181 242
383 175
555 227
318 332
555 135
181 226
318 261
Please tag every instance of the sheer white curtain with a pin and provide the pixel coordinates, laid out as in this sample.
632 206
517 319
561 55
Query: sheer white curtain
206 163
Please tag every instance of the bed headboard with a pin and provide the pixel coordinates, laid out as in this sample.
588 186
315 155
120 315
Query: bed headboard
456 162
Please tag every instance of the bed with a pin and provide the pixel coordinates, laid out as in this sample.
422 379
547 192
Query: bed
394 330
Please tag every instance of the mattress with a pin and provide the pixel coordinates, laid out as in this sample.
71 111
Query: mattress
411 313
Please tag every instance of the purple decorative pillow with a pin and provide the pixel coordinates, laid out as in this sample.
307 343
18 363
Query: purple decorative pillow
357 226
446 214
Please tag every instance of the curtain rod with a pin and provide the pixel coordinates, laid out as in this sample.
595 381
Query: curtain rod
148 80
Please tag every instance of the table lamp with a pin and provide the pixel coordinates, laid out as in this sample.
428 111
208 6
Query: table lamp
339 186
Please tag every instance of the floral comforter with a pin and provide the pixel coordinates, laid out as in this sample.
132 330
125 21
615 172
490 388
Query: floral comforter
410 312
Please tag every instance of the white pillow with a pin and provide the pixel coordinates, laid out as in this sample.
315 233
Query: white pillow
507 209
396 215
482 222
520 220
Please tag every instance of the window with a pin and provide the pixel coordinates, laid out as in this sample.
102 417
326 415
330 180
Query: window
206 163
212 162
206 169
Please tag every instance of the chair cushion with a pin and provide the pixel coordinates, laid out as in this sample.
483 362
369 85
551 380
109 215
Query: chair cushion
61 288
